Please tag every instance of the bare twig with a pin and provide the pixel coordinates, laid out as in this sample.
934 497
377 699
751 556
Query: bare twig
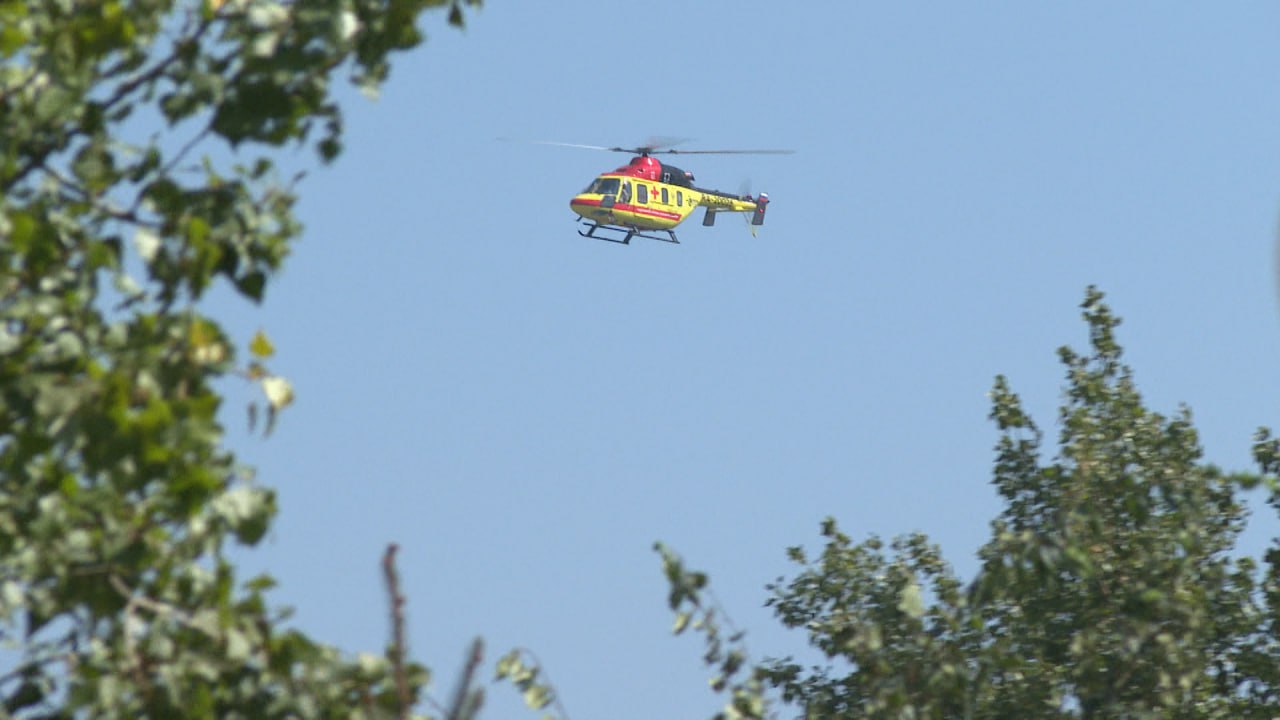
101 205
160 609
29 666
182 153
397 650
462 706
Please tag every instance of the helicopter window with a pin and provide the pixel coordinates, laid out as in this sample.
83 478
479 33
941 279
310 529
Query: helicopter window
625 195
680 198
665 201
604 186
642 193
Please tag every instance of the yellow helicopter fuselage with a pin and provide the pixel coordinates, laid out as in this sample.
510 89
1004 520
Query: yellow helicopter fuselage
648 195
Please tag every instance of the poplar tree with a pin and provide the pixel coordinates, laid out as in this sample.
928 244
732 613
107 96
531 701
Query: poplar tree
1111 586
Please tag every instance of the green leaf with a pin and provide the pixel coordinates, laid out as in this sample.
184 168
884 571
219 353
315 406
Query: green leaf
22 231
12 38
252 285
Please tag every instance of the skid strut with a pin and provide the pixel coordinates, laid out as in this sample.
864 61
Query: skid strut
626 233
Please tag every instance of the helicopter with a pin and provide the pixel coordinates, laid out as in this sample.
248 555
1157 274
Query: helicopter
646 196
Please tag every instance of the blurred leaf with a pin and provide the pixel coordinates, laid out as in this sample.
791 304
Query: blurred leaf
911 604
278 391
682 621
261 346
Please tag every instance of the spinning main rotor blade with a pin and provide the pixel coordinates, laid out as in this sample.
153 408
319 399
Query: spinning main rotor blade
654 149
723 152
577 145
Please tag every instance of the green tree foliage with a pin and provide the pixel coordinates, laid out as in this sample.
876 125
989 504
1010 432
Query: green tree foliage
1110 588
118 499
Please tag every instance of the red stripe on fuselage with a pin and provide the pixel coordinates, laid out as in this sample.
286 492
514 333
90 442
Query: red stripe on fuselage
634 209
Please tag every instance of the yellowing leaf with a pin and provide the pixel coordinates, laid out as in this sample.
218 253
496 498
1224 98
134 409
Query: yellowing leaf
205 347
912 603
682 621
278 391
147 243
261 346
537 697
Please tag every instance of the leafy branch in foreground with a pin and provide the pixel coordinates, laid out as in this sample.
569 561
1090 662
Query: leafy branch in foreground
136 171
726 655
521 668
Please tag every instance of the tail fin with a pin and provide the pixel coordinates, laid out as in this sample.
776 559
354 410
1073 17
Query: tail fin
761 202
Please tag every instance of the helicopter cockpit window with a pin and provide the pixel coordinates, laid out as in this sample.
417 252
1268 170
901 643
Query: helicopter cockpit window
625 195
604 186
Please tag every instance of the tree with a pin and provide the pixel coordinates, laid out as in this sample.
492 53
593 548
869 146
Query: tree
1109 589
118 499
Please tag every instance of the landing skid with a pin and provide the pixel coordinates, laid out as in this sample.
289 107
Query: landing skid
626 233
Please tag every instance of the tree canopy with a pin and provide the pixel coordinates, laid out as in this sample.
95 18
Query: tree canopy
1111 586
136 141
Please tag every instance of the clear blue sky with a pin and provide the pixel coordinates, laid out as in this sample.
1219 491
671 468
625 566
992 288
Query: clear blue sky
525 412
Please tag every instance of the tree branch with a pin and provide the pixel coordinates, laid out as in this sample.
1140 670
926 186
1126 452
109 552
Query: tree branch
40 155
462 708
